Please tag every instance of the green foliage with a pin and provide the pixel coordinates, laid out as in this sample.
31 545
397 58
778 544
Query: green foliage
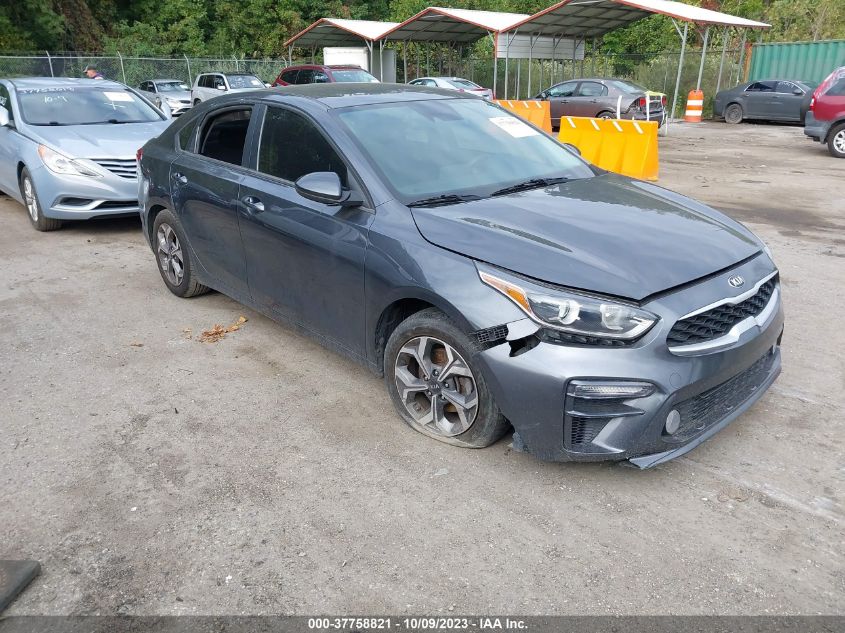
258 28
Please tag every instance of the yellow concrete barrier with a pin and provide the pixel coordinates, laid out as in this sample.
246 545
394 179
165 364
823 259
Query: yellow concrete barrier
618 145
536 112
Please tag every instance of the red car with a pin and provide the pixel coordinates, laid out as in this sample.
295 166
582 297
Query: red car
320 74
826 119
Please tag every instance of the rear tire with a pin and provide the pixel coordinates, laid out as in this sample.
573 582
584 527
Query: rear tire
176 262
734 114
197 102
34 210
444 395
836 141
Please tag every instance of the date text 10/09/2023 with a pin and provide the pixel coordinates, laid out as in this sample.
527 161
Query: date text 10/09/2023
416 624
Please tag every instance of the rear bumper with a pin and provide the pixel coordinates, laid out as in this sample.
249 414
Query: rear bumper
815 129
534 389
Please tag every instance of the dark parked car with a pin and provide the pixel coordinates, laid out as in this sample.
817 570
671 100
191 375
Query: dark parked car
772 100
321 74
601 98
826 120
489 273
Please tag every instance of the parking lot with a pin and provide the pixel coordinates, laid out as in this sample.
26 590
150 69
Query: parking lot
153 473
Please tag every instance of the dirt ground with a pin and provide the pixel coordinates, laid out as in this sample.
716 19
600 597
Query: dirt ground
151 473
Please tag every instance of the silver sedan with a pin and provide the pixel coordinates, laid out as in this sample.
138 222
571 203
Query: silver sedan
68 147
454 83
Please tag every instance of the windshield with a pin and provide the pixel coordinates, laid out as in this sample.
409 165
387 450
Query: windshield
354 76
463 83
244 81
455 146
171 86
628 87
75 105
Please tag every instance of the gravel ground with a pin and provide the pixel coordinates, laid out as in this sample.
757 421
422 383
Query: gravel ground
151 473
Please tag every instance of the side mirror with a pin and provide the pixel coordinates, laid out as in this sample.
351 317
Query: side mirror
5 121
572 148
325 187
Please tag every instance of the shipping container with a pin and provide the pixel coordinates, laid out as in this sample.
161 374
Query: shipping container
805 61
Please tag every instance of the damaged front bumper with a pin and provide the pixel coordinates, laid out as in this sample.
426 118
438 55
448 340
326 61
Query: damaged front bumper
641 403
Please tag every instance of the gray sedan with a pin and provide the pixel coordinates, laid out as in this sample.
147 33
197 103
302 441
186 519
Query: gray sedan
68 147
772 100
603 99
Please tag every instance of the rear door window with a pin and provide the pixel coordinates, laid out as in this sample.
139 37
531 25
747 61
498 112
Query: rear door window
223 136
306 76
787 87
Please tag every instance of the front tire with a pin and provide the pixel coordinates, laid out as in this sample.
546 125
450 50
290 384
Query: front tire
605 115
436 385
174 256
734 114
836 141
34 210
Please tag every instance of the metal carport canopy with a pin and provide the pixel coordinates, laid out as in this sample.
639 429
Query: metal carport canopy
454 26
594 18
340 32
582 19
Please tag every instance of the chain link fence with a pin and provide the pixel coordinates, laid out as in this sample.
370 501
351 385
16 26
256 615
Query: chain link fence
524 79
134 70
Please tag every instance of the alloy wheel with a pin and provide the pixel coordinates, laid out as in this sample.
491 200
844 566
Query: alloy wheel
170 254
30 200
839 142
436 386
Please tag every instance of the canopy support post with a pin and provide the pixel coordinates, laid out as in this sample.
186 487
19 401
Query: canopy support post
495 40
530 59
370 48
405 61
740 76
722 62
703 57
381 60
680 68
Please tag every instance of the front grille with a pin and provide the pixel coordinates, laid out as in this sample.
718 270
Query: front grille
706 409
123 167
717 322
492 335
584 430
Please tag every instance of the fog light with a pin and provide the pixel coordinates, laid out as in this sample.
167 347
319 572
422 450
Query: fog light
611 390
673 422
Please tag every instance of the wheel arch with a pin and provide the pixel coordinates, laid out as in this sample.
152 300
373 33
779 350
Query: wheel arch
399 309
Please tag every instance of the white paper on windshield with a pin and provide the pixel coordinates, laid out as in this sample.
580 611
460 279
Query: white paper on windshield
118 96
513 126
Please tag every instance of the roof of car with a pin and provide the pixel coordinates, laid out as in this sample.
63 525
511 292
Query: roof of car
331 66
341 95
31 83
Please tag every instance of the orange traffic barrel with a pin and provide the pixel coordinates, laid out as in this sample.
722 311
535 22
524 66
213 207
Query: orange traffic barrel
695 106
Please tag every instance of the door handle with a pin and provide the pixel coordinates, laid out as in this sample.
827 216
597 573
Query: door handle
253 203
180 178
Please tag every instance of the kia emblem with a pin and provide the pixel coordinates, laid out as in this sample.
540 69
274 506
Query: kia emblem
736 281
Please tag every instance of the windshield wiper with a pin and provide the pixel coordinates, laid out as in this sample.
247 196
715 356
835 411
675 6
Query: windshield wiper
437 201
533 183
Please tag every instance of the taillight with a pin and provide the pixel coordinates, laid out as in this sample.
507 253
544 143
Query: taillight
813 104
663 101
641 102
139 154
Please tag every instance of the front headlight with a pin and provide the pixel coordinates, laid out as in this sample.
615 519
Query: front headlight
173 103
61 164
575 313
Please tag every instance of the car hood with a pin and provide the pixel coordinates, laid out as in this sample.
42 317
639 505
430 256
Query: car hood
177 95
108 140
608 234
